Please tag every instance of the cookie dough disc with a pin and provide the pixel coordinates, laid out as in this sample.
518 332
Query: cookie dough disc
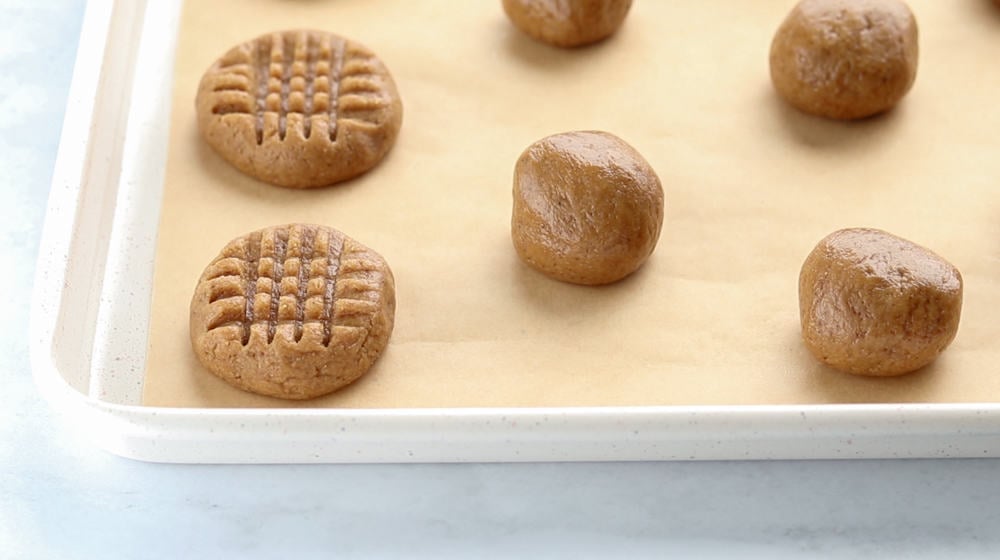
845 59
299 109
567 23
872 303
588 208
294 311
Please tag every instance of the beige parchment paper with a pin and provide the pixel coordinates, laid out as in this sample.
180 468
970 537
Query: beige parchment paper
750 187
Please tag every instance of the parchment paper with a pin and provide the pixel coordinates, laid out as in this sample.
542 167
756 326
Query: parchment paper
750 187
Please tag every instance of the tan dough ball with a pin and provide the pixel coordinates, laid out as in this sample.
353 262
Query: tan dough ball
875 304
567 23
845 59
588 208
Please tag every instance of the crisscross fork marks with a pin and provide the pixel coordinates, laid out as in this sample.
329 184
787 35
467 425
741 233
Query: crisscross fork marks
277 273
262 65
361 97
252 272
334 253
306 251
295 74
297 282
334 70
311 54
300 80
285 68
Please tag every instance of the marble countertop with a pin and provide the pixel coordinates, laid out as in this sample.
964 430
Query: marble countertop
62 498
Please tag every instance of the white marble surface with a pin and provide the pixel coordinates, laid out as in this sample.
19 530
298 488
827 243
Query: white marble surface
61 498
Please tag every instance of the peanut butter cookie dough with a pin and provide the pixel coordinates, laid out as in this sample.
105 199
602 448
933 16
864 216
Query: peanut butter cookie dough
567 23
845 59
293 311
299 109
588 208
872 303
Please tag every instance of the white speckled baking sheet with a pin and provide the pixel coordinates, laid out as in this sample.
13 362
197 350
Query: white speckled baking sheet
696 356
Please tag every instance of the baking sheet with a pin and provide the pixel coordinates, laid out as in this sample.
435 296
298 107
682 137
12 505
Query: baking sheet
750 186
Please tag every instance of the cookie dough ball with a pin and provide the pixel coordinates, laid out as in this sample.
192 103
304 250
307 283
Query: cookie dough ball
872 303
294 311
587 207
567 23
845 59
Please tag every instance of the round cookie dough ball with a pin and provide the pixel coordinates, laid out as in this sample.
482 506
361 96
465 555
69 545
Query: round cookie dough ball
875 304
588 208
567 23
845 59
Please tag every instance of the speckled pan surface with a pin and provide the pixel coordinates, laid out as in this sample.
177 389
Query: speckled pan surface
92 293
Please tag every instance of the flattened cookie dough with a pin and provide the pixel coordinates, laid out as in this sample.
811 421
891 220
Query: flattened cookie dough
294 311
588 208
845 59
567 23
299 109
872 303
